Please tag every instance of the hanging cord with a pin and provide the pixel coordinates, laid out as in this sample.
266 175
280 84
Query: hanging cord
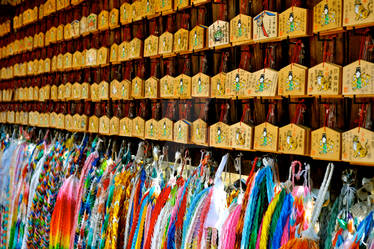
245 112
310 233
326 51
300 109
296 52
268 58
363 46
270 115
362 116
327 111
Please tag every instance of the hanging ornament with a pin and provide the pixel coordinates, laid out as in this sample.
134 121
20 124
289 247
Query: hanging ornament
237 82
219 34
240 29
151 46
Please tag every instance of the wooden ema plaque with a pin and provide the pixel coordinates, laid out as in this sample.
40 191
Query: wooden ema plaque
181 4
92 23
324 79
104 90
136 10
124 51
47 65
103 20
292 80
135 48
293 23
138 127
199 132
264 82
217 89
181 41
237 82
95 92
327 16
219 34
241 136
182 86
197 38
76 91
83 26
165 44
102 56
104 125
75 126
68 59
75 29
93 124
67 32
152 88
137 88
115 90
125 89
294 139
266 137
219 135
358 146
167 87
114 18
151 46
53 120
265 26
325 144
114 58
150 8
68 122
54 93
60 121
358 13
358 78
60 33
61 92
241 29
83 123
10 117
151 129
182 131
86 91
91 57
165 6
125 13
165 129
201 86
125 127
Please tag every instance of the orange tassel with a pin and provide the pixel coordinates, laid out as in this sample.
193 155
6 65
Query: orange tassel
300 244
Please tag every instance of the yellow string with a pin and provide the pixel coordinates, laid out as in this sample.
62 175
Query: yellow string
266 222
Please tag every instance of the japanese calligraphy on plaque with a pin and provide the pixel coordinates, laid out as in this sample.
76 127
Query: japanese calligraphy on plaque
219 34
324 79
358 146
219 135
137 88
151 129
327 16
151 46
182 86
181 41
263 82
152 89
265 26
138 127
241 29
358 13
167 87
201 85
293 23
326 144
199 132
125 127
266 137
197 38
292 80
165 44
218 88
165 129
358 78
182 131
241 136
237 83
294 139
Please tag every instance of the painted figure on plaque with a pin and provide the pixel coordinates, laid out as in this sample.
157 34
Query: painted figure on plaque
359 150
360 79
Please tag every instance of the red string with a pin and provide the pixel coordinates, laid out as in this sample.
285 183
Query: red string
245 109
154 105
296 52
222 59
153 67
141 108
361 117
270 112
223 112
265 4
222 11
245 56
169 110
299 109
185 18
268 58
327 111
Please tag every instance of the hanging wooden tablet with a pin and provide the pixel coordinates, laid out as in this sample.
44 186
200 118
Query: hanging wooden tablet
165 44
180 41
114 54
151 46
35 67
75 33
136 11
237 83
83 123
68 59
67 91
138 127
181 4
25 118
219 34
54 92
93 124
53 35
91 57
125 13
167 87
114 126
125 127
294 139
75 122
92 23
201 86
104 90
218 87
265 26
137 88
83 26
103 20
115 90
114 18
219 135
152 88
151 129
53 120
240 29
104 124
126 89
136 48
10 117
358 78
327 16
76 60
16 118
67 32
264 82
86 91
30 67
40 66
292 80
182 131
123 51
266 137
76 91
182 86
241 136
150 8
165 129
358 146
294 22
326 144
95 92
60 121
197 39
358 13
199 132
324 79
30 94
60 33
47 65
61 92
165 6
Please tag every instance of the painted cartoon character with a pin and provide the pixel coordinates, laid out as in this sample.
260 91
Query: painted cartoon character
240 31
218 34
325 145
179 131
292 23
292 82
323 83
199 85
220 89
290 142
328 16
219 137
260 23
360 10
262 84
148 5
358 149
195 39
164 129
360 80
151 130
181 87
237 83
239 138
266 139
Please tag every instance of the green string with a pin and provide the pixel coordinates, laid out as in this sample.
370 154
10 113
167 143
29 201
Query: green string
331 223
276 215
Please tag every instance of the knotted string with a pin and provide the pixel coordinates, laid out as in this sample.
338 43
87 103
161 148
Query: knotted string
362 45
300 108
361 116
